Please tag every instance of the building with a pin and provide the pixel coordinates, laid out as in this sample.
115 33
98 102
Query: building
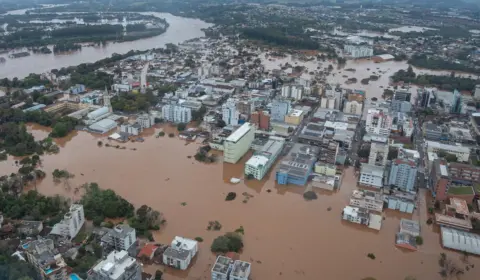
378 153
401 106
371 175
230 115
146 121
477 92
425 96
462 153
180 253
432 132
103 126
240 270
401 201
465 173
29 228
280 109
227 269
238 143
297 166
410 227
406 241
48 263
176 114
245 107
456 107
132 129
378 122
383 58
460 240
367 199
295 117
358 51
353 107
286 91
403 174
259 164
147 252
297 92
71 223
121 238
328 151
455 215
99 114
77 89
118 265
325 169
362 216
261 119
402 95
439 180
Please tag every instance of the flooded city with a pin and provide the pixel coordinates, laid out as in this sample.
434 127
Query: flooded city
286 237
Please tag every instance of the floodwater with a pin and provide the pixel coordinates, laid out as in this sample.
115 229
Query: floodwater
180 29
286 237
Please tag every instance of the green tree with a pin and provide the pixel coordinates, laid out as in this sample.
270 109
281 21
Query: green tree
220 244
181 126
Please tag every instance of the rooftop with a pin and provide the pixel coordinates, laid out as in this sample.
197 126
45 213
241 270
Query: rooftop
355 212
460 240
239 133
460 190
372 170
222 264
460 205
241 269
115 264
441 146
409 226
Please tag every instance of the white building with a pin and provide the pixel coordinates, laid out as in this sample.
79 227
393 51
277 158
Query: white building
371 175
240 270
230 115
122 87
367 199
146 121
477 92
180 253
462 152
378 122
286 91
103 126
297 92
358 51
176 114
227 269
98 114
133 129
353 107
259 164
116 266
121 238
362 216
71 224
238 143
378 153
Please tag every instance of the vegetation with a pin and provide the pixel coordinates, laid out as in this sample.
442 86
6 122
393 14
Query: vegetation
310 195
31 205
181 126
83 262
240 230
460 190
214 225
161 134
146 219
230 242
130 102
171 135
12 268
199 239
230 196
419 240
158 274
371 256
61 174
423 61
66 47
63 127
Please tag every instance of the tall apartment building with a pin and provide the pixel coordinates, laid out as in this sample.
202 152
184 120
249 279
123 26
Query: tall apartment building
261 119
259 164
379 122
230 115
245 107
297 92
146 121
378 153
353 107
439 180
456 103
176 114
47 261
286 91
118 265
121 238
328 151
238 143
280 109
71 223
358 51
402 95
425 96
403 174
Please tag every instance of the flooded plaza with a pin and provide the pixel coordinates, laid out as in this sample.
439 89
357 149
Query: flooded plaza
286 237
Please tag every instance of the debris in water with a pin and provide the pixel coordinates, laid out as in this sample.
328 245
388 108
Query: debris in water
329 209
234 180
310 195
269 190
168 179
81 174
230 196
183 204
259 262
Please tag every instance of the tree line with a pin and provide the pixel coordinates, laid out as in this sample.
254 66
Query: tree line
423 61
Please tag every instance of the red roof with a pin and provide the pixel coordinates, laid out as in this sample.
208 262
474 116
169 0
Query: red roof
147 250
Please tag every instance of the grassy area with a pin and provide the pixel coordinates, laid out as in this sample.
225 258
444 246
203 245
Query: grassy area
460 190
477 188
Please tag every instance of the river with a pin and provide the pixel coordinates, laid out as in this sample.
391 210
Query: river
286 237
180 29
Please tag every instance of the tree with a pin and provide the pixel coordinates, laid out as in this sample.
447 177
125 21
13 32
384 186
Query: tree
220 244
419 240
158 274
230 242
451 158
181 126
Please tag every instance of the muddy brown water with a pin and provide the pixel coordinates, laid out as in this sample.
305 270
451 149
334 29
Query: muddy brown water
286 237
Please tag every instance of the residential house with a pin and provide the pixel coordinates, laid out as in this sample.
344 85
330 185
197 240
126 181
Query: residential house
180 253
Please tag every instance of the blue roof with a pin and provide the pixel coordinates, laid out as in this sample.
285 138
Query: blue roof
34 108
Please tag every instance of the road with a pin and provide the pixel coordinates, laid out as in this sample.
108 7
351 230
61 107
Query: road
143 77
418 143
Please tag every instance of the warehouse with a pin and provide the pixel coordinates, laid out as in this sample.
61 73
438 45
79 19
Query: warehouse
103 126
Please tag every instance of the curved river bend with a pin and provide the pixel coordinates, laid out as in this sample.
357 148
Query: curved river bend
180 29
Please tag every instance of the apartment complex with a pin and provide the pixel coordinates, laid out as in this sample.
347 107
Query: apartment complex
118 265
358 51
176 114
230 115
353 107
121 238
47 261
293 92
71 223
259 164
378 153
280 109
261 119
367 199
238 143
403 174
379 122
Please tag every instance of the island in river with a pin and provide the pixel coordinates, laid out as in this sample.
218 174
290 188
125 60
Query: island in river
286 237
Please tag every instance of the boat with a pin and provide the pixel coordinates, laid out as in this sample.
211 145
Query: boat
234 180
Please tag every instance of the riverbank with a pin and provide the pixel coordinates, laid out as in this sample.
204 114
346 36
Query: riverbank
286 237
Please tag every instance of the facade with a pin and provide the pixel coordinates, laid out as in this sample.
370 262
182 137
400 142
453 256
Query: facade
476 95
325 169
425 96
378 153
261 119
402 202
98 114
71 224
121 238
118 265
230 115
371 175
378 122
328 151
46 260
297 92
433 132
240 270
353 107
295 117
133 129
367 199
238 143
286 91
146 121
259 164
358 51
439 180
176 114
355 215
280 109
180 253
297 166
402 95
462 153
456 103
245 107
401 106
403 174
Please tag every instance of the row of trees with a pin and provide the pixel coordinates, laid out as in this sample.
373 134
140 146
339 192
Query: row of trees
424 61
66 47
275 36
131 102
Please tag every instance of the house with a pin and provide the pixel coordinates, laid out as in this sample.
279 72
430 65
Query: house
147 251
410 227
406 241
30 228
362 216
180 253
